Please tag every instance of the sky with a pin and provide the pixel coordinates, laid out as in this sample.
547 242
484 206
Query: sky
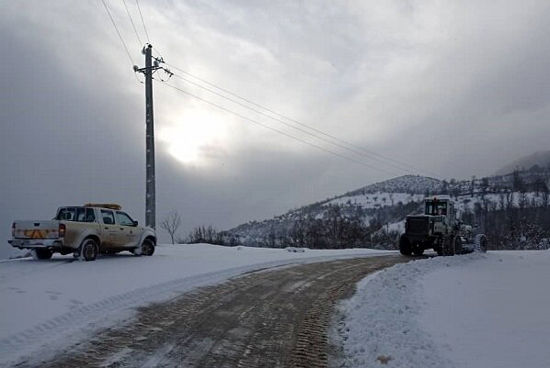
447 89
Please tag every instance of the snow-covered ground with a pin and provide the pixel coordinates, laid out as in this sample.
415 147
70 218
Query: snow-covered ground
490 310
376 200
61 300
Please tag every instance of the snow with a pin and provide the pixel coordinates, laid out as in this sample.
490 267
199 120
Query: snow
471 311
497 313
62 300
375 200
498 200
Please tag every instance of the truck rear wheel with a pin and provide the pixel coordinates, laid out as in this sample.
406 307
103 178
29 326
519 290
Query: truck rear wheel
405 245
88 250
41 253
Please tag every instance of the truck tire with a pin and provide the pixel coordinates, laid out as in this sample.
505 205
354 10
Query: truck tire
41 253
405 245
147 248
88 250
480 243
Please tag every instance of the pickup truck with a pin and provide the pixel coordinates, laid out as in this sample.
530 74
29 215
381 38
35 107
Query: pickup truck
85 231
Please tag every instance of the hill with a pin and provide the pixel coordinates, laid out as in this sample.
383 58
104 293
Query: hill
512 209
540 159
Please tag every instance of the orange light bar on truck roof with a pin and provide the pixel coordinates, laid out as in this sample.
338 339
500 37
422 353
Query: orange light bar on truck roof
112 206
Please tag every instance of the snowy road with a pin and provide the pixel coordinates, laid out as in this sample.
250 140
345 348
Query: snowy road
48 305
275 318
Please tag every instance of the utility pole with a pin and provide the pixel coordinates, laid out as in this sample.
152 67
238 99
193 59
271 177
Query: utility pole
150 195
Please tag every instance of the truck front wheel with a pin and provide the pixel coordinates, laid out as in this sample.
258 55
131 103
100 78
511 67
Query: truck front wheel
147 248
88 250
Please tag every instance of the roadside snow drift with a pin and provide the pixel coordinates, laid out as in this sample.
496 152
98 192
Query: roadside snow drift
48 304
470 311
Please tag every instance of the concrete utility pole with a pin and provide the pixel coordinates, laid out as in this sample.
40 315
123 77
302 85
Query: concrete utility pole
150 68
150 200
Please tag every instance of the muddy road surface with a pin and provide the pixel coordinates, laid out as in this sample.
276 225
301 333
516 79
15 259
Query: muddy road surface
272 318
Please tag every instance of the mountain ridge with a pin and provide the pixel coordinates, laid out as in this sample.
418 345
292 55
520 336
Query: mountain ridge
373 215
539 158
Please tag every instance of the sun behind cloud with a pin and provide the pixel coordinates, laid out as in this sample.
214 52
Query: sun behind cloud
194 136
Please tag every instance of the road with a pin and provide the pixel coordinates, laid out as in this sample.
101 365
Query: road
270 318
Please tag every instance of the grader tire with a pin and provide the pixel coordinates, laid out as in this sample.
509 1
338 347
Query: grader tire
418 250
457 245
405 245
480 243
448 246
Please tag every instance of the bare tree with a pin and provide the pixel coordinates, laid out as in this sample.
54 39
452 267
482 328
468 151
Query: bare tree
171 223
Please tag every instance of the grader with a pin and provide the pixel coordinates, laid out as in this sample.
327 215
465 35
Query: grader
440 230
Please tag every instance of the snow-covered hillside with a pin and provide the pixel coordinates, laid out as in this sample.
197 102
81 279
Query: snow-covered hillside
468 311
414 184
375 200
374 215
62 300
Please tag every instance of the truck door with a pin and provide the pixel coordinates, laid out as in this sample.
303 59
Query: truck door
109 231
127 229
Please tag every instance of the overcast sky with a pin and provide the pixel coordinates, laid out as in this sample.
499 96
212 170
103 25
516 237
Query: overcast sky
452 88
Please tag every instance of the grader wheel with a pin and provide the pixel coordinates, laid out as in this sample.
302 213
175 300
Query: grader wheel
480 243
405 245
448 246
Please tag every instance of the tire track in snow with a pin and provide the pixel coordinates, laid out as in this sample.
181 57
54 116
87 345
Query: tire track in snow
46 338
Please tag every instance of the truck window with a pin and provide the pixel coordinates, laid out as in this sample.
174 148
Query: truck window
123 219
108 217
90 215
80 214
67 214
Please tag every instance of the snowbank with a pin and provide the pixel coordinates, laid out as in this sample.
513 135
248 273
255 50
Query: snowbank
494 313
46 301
465 311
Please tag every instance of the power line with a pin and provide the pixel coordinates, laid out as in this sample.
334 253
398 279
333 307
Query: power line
118 32
316 136
278 131
332 139
349 146
142 22
120 37
132 21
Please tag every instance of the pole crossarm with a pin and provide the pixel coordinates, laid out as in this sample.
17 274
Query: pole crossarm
155 65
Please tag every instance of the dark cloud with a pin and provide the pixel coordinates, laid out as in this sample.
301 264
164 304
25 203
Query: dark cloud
456 89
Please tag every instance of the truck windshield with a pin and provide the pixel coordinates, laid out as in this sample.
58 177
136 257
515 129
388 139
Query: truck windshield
436 208
79 214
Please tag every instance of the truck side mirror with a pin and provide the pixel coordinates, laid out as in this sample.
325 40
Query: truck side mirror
135 223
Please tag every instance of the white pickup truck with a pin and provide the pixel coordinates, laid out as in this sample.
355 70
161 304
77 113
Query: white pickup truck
85 231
